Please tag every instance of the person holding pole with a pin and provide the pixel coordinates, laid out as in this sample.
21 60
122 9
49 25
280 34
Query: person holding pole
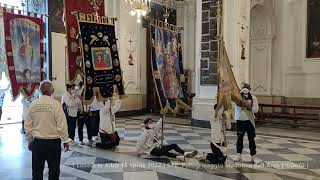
219 124
149 142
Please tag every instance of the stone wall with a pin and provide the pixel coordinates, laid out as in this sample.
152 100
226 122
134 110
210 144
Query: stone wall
209 44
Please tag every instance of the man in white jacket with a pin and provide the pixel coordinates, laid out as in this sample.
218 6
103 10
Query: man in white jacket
219 124
149 142
245 121
46 126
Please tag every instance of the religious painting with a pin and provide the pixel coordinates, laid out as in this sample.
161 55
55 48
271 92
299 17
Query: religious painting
167 68
101 58
55 8
168 63
24 46
130 60
102 72
313 40
25 38
3 67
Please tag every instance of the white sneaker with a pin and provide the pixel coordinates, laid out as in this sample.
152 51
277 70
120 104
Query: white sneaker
97 138
81 142
201 157
181 158
94 144
90 143
252 159
190 154
239 158
72 143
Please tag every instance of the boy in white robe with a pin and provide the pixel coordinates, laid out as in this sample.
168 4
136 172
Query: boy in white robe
107 123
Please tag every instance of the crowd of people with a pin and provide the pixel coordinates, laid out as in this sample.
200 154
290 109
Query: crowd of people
47 122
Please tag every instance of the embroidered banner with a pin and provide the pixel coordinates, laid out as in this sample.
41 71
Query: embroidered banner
24 49
3 57
102 72
72 30
168 69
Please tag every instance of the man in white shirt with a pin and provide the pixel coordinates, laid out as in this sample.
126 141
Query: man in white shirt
219 124
245 121
45 126
83 116
72 104
95 121
149 143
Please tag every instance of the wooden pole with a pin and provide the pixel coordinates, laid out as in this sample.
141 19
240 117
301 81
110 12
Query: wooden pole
163 118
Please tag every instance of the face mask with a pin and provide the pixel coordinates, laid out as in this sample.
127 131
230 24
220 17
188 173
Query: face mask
245 91
151 126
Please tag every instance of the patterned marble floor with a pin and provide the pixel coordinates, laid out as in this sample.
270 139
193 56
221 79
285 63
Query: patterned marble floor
277 158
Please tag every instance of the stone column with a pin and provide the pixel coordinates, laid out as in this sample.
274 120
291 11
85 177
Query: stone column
205 91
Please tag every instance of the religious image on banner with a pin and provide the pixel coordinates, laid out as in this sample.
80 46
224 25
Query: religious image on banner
92 7
102 71
101 58
25 40
3 66
168 69
24 50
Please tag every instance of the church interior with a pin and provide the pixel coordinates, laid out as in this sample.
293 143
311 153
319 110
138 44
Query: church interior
230 77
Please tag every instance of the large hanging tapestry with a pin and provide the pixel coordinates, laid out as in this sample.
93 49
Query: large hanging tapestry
24 49
3 67
313 41
73 40
102 72
168 68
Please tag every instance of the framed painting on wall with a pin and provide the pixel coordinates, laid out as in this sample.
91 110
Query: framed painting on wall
313 29
55 8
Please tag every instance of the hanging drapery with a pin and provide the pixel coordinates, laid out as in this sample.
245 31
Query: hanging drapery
24 51
102 71
167 67
74 54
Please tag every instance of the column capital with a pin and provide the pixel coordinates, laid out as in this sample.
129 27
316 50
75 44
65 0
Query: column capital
191 8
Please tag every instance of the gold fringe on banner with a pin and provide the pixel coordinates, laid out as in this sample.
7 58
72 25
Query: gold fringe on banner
166 26
93 18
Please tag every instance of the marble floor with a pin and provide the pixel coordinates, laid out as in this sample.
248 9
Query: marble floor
277 157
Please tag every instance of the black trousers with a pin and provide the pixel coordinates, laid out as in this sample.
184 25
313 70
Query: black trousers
46 150
72 124
242 128
216 157
164 151
22 129
83 119
95 120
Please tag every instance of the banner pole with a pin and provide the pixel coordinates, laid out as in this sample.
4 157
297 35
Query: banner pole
163 118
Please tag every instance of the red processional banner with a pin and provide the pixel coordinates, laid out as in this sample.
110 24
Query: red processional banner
72 30
25 52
